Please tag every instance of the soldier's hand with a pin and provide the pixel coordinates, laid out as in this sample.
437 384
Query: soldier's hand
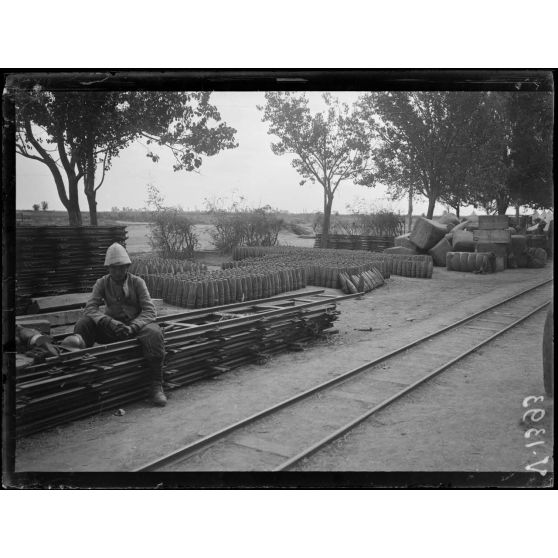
120 330
128 331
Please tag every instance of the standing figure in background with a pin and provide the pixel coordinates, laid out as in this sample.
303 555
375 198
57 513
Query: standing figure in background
129 313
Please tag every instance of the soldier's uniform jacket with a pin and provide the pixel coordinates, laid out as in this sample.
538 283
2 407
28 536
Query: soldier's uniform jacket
129 303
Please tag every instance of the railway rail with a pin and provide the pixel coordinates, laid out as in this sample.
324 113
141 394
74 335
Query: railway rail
291 431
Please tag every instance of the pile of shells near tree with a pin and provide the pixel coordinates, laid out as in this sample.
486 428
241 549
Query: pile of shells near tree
203 289
321 264
145 266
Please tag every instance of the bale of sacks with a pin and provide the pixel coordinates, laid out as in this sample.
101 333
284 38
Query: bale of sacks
476 262
536 241
403 240
462 241
402 250
536 257
439 251
461 226
426 233
518 251
518 244
500 251
449 219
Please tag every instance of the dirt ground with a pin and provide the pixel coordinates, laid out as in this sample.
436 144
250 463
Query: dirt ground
469 419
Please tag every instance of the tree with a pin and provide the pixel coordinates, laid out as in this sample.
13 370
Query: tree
78 134
44 205
511 153
36 207
420 138
329 147
530 175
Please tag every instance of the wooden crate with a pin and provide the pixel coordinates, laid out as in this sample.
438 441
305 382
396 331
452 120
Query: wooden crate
501 236
493 222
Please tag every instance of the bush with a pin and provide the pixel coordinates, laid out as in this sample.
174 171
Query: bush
171 232
36 207
379 223
240 226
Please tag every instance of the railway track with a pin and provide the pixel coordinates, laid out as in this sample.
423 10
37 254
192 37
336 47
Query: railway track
290 432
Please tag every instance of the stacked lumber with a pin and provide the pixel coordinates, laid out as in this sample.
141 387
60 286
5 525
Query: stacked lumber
57 259
356 242
323 266
79 384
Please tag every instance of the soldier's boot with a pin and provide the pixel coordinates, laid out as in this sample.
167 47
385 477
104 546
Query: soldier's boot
156 394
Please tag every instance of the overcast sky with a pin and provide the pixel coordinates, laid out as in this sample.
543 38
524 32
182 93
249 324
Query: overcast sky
251 171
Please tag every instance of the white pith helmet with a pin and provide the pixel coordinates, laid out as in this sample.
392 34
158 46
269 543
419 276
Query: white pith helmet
117 255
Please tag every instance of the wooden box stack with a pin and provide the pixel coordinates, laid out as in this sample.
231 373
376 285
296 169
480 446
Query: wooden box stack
493 235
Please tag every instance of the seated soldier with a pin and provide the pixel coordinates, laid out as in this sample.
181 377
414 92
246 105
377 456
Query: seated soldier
129 312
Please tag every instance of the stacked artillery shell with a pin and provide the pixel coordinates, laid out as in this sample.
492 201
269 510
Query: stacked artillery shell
76 385
203 289
145 266
320 262
55 260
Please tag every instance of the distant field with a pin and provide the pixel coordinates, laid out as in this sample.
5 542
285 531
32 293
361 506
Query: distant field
138 242
37 218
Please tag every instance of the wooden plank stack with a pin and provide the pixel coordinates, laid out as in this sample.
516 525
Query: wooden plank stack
356 242
59 259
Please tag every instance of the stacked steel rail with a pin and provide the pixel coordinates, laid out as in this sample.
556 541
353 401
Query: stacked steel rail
55 260
199 345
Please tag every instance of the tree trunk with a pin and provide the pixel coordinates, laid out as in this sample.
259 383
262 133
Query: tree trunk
457 211
501 206
328 202
89 187
410 212
431 204
74 216
92 202
74 212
